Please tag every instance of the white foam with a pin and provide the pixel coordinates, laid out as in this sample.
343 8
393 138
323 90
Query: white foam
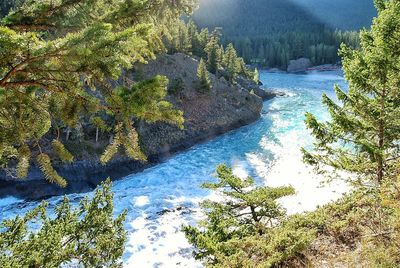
142 201
160 244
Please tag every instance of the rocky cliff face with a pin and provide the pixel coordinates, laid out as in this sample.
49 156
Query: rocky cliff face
207 114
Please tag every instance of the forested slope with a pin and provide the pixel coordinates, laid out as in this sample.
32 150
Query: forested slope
271 32
341 14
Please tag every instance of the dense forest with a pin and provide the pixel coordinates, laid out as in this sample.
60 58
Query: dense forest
270 33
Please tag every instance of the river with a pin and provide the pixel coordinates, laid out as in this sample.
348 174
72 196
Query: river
162 198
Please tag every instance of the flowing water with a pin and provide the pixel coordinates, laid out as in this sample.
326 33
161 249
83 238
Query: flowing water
163 198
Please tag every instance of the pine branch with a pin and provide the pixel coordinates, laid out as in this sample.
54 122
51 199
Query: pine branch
48 171
111 150
132 147
24 157
62 152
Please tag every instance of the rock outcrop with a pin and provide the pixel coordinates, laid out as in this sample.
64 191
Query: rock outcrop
207 114
299 65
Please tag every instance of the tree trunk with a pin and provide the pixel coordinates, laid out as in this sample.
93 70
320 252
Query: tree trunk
381 137
380 159
67 135
97 134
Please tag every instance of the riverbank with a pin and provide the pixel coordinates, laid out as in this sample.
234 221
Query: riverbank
207 114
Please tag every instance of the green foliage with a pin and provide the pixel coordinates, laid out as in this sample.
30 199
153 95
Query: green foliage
127 137
213 53
98 122
182 40
176 85
202 75
202 38
87 235
247 211
231 64
61 152
55 53
48 171
362 136
256 77
111 149
24 157
209 48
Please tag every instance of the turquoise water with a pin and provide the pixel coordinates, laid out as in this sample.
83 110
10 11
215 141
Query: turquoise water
161 199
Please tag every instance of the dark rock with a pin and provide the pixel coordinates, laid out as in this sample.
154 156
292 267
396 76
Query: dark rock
252 86
180 209
299 65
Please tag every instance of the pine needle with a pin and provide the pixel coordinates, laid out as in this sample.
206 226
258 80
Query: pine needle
111 150
62 152
24 157
132 147
49 172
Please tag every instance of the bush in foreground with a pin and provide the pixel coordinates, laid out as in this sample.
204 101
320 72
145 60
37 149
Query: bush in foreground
88 235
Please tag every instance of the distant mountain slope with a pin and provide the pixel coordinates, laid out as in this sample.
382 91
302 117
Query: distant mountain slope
260 17
341 14
272 32
253 17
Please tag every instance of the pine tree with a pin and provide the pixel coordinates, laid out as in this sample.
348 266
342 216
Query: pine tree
203 41
54 53
182 39
231 63
243 70
202 75
256 77
363 134
194 39
87 236
246 210
212 49
221 53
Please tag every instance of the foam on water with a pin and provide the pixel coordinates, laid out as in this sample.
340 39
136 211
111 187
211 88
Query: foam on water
163 198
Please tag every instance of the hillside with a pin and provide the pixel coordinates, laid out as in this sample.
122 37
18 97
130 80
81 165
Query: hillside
260 17
206 114
341 14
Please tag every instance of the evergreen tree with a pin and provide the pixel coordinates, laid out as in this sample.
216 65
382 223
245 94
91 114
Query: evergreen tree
202 75
246 210
231 63
221 53
243 70
213 53
87 236
182 38
52 52
363 134
207 46
193 34
256 77
203 37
